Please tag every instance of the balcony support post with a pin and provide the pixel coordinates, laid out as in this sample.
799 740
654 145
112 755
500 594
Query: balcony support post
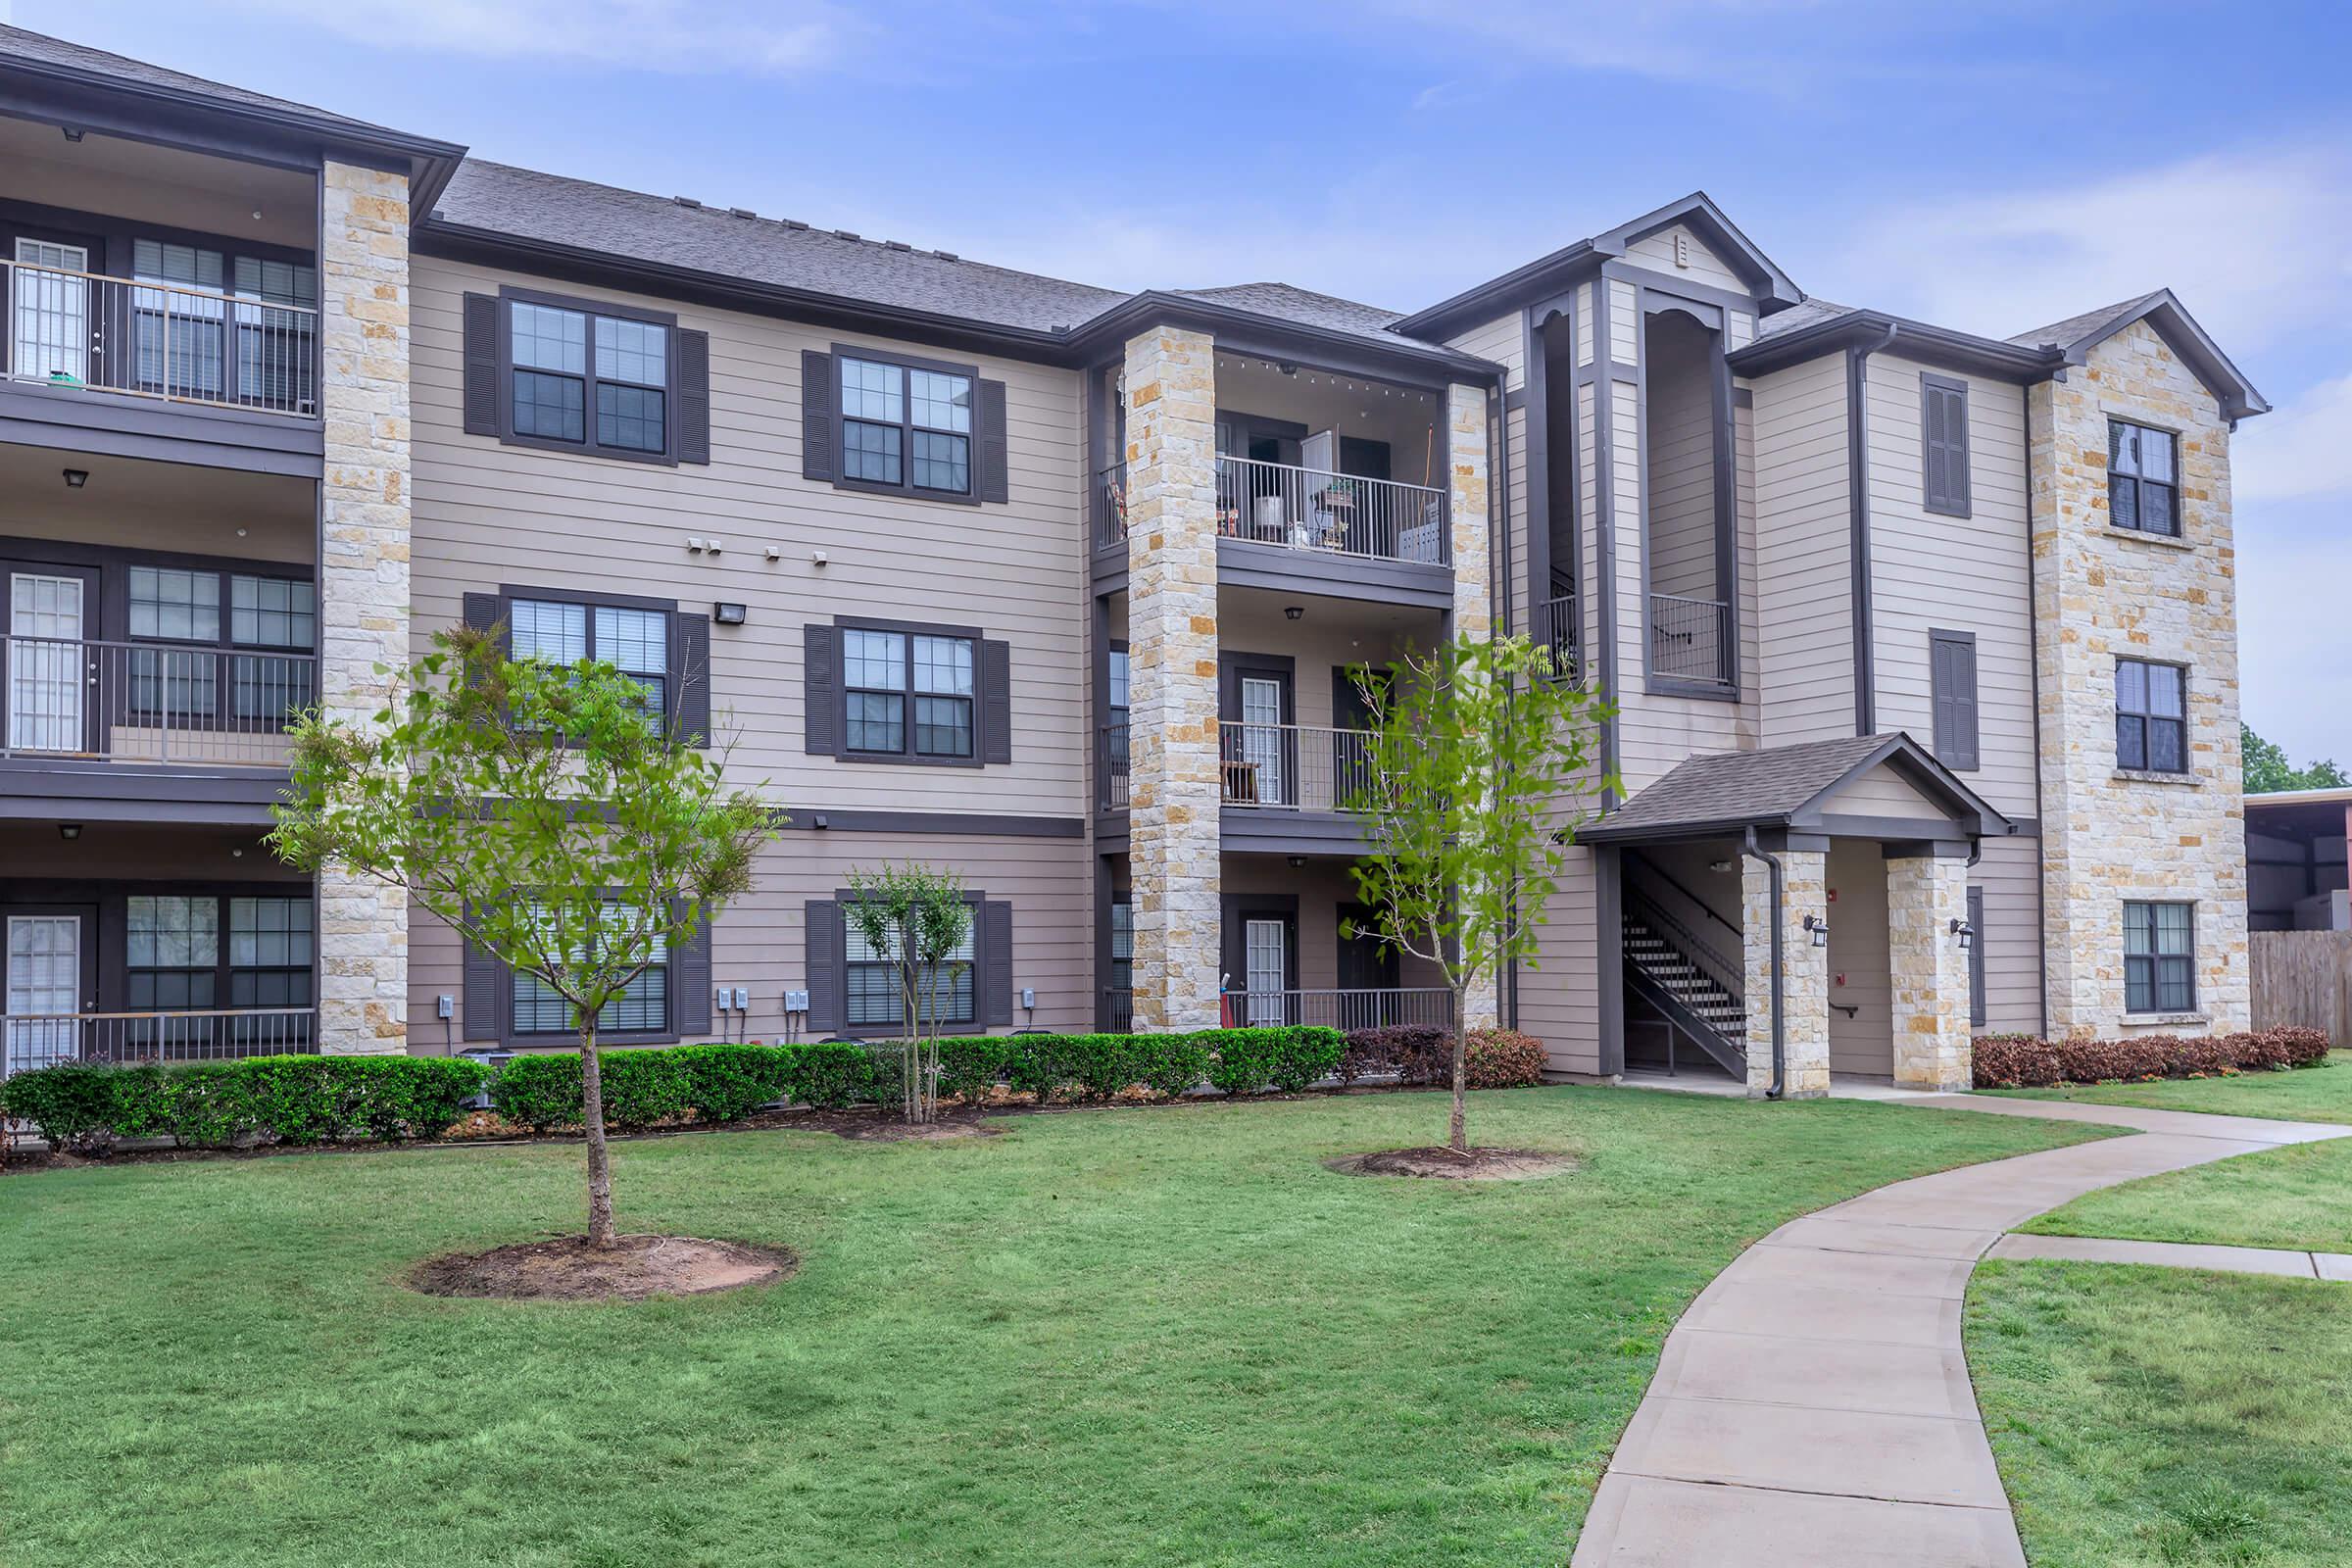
1468 442
364 538
1174 831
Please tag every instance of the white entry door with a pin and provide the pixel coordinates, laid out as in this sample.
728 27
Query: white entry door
1261 737
44 978
51 312
1266 965
44 663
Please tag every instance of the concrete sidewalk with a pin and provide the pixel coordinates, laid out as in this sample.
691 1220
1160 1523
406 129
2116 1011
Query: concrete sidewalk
1813 1406
2282 1261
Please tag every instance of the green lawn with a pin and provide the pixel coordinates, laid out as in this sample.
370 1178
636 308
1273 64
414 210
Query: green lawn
2150 1416
2299 1195
1113 1337
2304 1094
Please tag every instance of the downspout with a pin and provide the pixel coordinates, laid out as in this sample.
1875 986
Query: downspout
1779 1027
1507 1002
1857 480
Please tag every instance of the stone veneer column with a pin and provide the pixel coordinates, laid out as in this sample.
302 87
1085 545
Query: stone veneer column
1174 836
1804 973
364 566
1470 526
1929 970
2101 593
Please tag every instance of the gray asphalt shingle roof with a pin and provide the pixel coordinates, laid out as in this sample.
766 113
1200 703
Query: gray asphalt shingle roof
2075 328
1744 786
1290 303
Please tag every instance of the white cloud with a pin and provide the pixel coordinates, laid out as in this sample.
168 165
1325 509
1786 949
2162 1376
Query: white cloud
2252 243
2295 680
2305 448
673 35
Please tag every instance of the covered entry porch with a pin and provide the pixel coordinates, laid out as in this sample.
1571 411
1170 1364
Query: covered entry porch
1784 916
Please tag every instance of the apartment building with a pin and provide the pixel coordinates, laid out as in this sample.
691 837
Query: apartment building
1922 645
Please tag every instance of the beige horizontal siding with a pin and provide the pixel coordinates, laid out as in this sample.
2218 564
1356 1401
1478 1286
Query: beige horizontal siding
1657 252
1559 996
2009 872
1501 340
1804 605
486 515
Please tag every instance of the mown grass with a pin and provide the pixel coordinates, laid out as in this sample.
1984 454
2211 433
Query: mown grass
1111 1336
2151 1416
2302 1093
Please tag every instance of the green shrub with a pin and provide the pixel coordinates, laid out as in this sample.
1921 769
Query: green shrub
1287 1057
1041 1066
728 1082
205 1104
539 1090
970 1066
644 1088
72 1104
1174 1064
834 1075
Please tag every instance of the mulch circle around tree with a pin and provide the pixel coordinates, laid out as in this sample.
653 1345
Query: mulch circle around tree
565 1268
1444 1165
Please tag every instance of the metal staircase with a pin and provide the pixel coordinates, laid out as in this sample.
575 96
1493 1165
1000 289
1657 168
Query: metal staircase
1685 978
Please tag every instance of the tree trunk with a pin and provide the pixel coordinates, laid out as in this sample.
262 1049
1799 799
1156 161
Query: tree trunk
1456 1135
600 1160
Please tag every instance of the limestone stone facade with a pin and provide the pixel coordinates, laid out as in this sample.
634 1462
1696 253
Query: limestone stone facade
2102 594
1174 832
1467 447
1804 973
364 566
1927 895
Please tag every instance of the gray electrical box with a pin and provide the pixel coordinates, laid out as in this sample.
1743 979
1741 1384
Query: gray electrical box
743 998
445 1006
1028 995
795 1002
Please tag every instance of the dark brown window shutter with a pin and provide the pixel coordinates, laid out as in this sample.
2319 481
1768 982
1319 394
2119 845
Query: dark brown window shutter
693 397
822 951
486 986
693 711
1976 959
996 701
820 440
996 962
485 611
690 983
995 480
821 691
1952 697
481 364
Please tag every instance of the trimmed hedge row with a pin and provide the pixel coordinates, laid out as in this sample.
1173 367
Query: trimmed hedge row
2024 1062
85 1108
1423 1054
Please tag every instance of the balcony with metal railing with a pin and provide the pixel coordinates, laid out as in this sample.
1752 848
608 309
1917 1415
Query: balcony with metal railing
1292 768
167 341
34 1040
76 699
1278 519
1691 640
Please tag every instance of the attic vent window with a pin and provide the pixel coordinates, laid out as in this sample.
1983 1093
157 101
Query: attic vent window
1681 249
947 255
686 201
896 245
792 223
743 211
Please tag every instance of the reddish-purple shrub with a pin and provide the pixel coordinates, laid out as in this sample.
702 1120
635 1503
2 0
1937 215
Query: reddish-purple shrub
1418 1053
2023 1061
1501 1058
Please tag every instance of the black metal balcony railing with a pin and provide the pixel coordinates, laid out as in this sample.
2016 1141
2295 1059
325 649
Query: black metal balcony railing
1375 1007
1298 767
1111 766
145 338
32 1039
1304 508
1690 639
75 698
1557 632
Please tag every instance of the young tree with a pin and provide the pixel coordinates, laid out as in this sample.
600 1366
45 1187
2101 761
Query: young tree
919 918
544 813
1474 759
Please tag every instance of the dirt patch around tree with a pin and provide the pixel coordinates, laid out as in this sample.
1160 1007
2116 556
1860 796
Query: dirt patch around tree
1444 1165
565 1268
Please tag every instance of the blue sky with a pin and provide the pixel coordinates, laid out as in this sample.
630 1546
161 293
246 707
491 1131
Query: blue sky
1990 167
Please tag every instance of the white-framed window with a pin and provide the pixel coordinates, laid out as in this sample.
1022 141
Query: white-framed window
872 978
642 1007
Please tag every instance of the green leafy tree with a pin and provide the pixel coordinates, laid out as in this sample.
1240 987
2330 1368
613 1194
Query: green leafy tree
1469 789
542 811
2267 769
919 917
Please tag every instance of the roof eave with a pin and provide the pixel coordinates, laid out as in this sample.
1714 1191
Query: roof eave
2163 310
1941 345
1254 328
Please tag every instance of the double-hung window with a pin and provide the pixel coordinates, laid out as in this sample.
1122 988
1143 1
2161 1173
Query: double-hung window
910 694
270 945
2143 484
176 605
905 425
2160 944
178 316
587 379
872 981
642 1007
2151 716
172 953
635 642
274 617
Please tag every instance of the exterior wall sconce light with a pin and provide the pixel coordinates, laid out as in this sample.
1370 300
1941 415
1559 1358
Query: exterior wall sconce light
69 831
76 478
1719 867
1820 929
727 615
1293 612
1966 933
1298 863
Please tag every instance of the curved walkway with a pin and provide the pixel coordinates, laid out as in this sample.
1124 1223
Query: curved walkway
1813 1405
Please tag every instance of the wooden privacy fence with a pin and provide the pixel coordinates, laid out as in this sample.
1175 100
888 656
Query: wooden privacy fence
2303 977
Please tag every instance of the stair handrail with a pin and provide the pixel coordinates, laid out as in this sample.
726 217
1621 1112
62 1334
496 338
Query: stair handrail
1660 873
1694 947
